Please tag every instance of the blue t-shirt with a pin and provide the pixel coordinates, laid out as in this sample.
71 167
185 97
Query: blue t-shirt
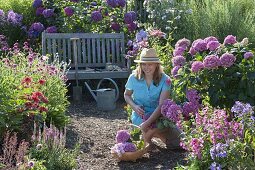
147 97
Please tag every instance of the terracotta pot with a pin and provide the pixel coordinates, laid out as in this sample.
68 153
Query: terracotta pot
131 156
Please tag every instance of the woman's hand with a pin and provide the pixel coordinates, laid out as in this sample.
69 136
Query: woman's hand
138 110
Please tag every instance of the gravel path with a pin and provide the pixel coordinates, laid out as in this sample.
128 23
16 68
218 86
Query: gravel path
96 131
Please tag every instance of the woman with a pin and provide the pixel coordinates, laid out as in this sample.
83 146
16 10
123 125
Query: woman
146 89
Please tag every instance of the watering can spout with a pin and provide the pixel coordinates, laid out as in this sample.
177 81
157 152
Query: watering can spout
91 91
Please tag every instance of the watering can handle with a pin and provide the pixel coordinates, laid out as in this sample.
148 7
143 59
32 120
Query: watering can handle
116 87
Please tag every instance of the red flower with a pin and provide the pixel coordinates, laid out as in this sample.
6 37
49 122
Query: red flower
28 105
35 98
43 109
44 99
42 81
27 80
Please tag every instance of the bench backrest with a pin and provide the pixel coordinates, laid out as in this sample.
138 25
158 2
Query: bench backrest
93 50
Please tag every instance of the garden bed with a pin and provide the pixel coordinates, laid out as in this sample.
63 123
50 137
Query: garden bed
96 132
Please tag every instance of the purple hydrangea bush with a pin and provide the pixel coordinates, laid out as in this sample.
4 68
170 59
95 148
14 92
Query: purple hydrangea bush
87 16
222 72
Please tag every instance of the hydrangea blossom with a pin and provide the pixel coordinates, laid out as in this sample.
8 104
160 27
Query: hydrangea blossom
184 43
199 45
171 110
209 39
35 29
178 51
48 13
129 147
230 39
122 136
115 26
132 27
1 13
241 109
129 17
197 66
96 16
211 62
212 45
69 11
112 3
192 51
121 148
14 18
192 95
141 35
37 3
121 3
248 55
52 29
157 33
178 60
175 70
227 60
190 107
39 11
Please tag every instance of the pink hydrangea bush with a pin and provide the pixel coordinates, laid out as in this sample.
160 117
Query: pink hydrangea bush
221 72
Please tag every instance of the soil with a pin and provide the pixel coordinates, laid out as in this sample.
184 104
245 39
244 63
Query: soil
95 130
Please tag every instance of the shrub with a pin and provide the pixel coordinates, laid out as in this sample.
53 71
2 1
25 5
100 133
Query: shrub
31 89
16 32
49 148
222 73
91 16
151 38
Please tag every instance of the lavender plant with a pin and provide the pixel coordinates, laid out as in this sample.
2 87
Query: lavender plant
49 148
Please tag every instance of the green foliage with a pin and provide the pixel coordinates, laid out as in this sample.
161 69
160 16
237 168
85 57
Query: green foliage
211 138
162 14
49 148
31 89
136 138
220 86
217 18
23 7
56 158
152 38
81 20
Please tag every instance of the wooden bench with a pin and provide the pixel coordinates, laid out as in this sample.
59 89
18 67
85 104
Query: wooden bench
91 55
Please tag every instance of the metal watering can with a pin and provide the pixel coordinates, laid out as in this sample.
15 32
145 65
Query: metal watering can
106 98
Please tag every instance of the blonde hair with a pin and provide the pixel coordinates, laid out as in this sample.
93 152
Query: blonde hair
139 74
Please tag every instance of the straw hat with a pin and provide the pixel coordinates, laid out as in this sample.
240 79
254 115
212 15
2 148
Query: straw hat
148 56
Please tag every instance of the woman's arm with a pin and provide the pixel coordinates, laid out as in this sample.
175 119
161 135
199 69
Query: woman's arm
129 100
157 112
